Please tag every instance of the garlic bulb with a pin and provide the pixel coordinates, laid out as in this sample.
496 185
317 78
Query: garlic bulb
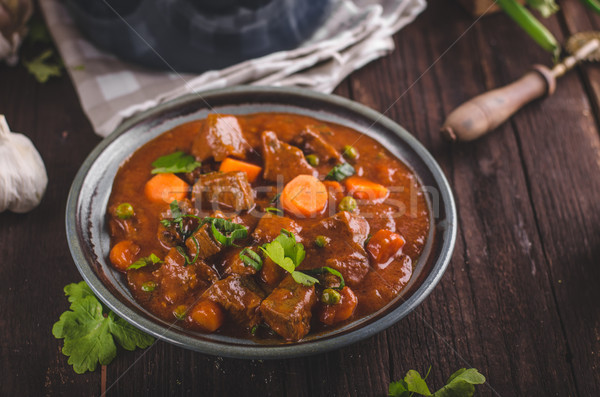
14 15
23 177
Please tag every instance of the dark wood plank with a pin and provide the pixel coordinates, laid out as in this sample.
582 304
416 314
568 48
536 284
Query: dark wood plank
496 295
560 147
36 263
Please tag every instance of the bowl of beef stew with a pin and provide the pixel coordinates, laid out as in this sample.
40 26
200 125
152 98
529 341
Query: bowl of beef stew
260 222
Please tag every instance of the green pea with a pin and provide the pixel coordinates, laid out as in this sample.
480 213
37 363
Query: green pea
124 211
180 312
330 296
350 152
148 286
321 241
313 160
347 204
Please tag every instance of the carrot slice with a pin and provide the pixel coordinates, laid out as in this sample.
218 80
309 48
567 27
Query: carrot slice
384 245
304 196
123 254
251 170
207 315
364 189
166 188
332 314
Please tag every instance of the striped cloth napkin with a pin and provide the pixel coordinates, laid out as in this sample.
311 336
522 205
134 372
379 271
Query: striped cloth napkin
111 90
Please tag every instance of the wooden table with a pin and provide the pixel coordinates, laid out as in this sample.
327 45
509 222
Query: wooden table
520 300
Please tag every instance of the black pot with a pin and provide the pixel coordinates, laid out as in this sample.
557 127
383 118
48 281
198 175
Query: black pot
195 36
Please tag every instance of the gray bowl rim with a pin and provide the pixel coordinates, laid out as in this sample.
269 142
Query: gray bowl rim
257 351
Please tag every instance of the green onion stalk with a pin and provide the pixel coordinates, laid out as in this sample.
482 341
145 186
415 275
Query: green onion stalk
534 28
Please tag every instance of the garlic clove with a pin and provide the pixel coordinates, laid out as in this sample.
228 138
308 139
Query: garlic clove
23 177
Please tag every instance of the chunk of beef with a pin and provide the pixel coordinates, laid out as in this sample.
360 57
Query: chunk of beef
345 251
177 280
283 160
269 227
221 136
271 273
240 296
313 142
229 189
288 309
207 246
233 264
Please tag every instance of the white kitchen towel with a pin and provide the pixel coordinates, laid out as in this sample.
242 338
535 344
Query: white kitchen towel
111 90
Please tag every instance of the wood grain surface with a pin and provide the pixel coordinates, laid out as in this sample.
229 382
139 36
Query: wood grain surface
520 300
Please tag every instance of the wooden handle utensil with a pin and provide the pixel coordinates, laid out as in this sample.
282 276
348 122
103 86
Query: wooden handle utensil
487 111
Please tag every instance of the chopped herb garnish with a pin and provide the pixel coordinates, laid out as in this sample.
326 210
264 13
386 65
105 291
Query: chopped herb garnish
177 220
251 258
149 286
327 269
460 384
177 162
226 232
181 250
149 260
289 254
275 198
254 329
340 172
90 331
273 210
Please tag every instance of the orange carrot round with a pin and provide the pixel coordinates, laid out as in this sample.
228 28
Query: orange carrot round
252 171
304 196
166 188
123 254
207 315
365 189
384 245
332 314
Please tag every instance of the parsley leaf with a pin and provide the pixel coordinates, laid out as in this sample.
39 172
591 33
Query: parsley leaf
460 384
78 291
340 172
289 254
44 66
304 279
177 162
89 333
416 384
149 260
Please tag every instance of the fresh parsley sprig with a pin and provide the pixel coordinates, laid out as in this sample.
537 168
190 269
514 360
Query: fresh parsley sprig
289 254
175 163
90 331
460 384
